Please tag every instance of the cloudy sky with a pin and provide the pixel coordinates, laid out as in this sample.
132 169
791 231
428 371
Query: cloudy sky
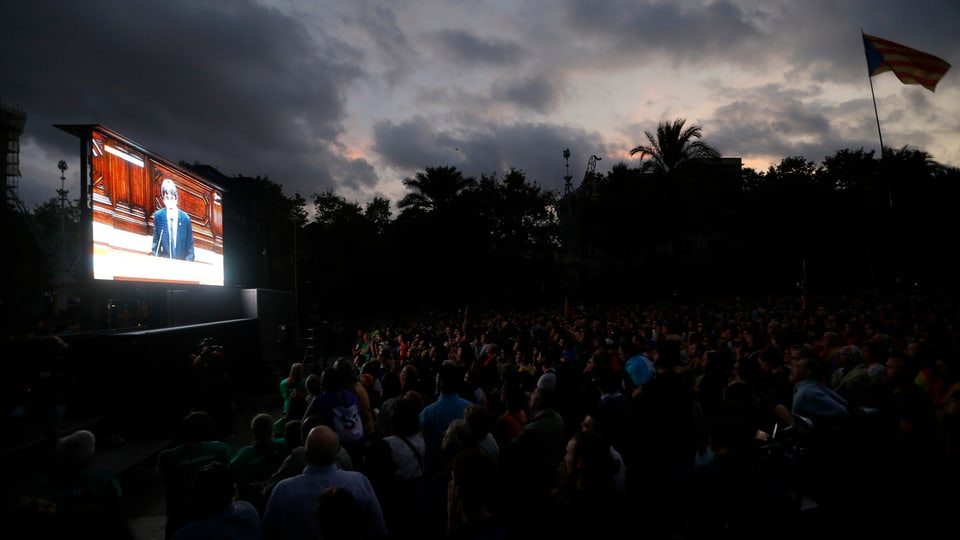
357 95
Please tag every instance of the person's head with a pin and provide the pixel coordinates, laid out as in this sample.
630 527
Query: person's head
417 397
76 450
598 363
922 352
901 369
774 328
666 354
849 355
748 368
805 364
168 191
348 372
479 418
588 460
197 426
292 433
296 372
459 435
466 354
322 446
770 357
514 398
369 383
390 385
371 367
213 489
330 380
946 366
507 371
409 377
312 384
405 420
608 381
449 378
543 397
589 423
831 339
262 427
875 352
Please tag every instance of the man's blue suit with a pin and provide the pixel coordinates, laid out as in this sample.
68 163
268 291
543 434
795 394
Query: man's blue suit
162 245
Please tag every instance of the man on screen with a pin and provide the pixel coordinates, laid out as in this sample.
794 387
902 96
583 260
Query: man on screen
172 230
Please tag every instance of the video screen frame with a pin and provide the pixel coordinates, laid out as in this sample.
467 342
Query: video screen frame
129 188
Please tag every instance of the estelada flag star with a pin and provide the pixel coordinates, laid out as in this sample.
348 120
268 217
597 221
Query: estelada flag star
909 65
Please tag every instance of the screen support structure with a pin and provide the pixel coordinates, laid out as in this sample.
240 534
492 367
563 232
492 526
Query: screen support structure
86 209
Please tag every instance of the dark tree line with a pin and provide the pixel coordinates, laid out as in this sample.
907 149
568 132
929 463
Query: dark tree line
852 222
706 227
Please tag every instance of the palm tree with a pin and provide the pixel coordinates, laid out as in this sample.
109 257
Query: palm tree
434 188
672 146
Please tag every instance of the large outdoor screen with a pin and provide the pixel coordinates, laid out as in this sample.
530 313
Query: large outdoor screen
152 220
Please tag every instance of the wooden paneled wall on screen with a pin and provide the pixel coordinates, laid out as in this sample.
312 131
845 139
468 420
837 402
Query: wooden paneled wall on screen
126 193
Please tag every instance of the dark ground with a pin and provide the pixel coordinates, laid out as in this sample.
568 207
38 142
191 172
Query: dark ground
132 461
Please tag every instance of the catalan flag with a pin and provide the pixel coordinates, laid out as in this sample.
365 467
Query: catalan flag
909 65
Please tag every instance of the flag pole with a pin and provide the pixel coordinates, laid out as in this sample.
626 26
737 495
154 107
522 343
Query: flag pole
879 132
882 154
877 114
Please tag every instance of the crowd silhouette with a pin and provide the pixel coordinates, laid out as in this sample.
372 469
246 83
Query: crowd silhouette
730 420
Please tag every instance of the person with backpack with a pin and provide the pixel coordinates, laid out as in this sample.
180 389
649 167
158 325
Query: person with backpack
338 406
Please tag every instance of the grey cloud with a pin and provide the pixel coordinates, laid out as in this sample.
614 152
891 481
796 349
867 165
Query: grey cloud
412 144
461 46
767 122
686 33
378 23
234 85
538 93
355 174
484 148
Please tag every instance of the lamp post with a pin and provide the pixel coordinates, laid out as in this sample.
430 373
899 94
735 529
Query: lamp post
62 192
61 278
62 264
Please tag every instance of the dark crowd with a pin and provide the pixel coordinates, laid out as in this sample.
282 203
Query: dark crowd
781 418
